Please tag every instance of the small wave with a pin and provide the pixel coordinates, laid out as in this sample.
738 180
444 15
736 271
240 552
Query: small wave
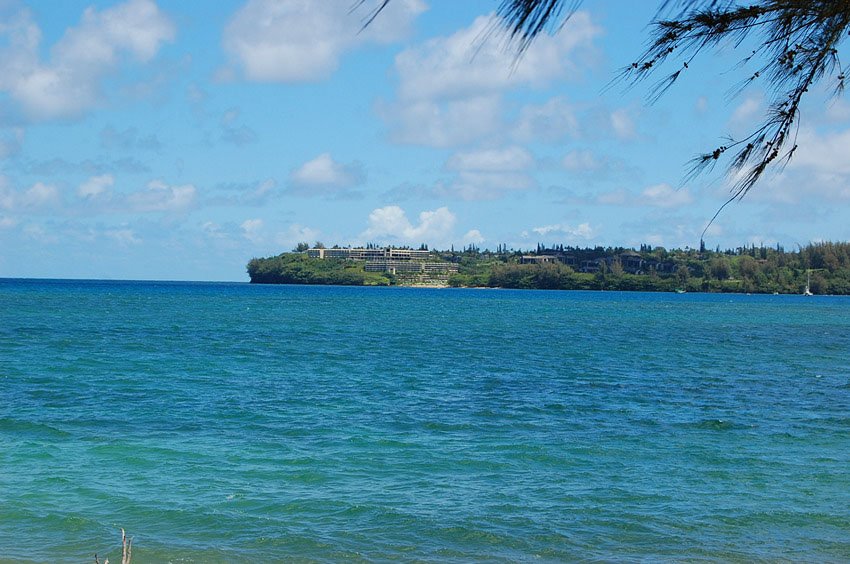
31 429
834 423
447 427
718 425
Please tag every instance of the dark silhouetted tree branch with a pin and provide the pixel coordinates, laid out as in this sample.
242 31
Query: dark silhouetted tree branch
796 47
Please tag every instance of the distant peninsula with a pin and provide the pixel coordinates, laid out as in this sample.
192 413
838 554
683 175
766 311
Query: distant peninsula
818 268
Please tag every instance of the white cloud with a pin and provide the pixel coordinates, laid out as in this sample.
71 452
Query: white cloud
263 189
656 196
714 230
7 195
252 229
324 175
654 239
234 133
622 124
825 153
213 230
7 222
40 194
487 174
491 160
391 223
36 197
668 230
11 141
443 124
817 174
97 195
128 140
122 236
161 197
230 116
450 88
551 122
303 40
618 197
746 111
478 60
254 193
96 186
136 26
70 82
61 167
595 166
38 233
479 185
472 236
837 110
477 175
239 136
297 233
581 232
665 196
581 161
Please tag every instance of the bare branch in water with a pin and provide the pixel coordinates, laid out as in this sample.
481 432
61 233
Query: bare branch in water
126 548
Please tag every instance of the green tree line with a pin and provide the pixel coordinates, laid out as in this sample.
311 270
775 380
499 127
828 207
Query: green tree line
825 267
298 268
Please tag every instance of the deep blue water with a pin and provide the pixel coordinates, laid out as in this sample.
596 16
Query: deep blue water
239 423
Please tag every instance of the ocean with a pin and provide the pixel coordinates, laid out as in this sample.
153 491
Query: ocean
244 423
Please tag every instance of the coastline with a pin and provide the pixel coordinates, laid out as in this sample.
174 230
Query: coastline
583 290
822 269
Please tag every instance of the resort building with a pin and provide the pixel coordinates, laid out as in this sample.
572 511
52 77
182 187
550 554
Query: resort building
538 259
392 260
410 266
632 262
360 253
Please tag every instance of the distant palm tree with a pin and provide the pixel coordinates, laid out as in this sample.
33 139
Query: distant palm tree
797 47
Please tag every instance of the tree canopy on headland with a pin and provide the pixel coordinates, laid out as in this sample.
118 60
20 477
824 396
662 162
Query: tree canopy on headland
298 268
825 267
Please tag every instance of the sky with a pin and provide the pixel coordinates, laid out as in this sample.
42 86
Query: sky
173 140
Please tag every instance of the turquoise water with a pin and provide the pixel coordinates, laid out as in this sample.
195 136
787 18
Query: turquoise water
239 423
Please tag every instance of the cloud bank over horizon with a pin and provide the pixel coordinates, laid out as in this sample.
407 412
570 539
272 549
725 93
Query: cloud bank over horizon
153 139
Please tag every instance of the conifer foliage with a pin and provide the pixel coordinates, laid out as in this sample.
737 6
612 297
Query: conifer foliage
796 46
795 43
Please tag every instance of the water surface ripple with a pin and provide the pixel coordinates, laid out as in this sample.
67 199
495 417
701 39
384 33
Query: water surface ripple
239 423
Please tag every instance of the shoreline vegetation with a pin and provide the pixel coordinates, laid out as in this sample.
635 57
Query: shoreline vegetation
822 268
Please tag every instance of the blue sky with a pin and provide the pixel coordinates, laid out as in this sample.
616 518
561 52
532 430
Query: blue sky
176 140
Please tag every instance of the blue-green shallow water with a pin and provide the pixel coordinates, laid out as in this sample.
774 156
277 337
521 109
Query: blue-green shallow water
238 423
